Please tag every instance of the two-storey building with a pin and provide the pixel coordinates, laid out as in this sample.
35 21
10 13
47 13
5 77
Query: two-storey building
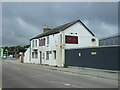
49 47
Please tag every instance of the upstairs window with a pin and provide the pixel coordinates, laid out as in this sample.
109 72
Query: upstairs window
47 39
36 43
42 42
32 43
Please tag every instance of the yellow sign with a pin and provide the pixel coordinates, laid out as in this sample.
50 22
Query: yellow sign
93 53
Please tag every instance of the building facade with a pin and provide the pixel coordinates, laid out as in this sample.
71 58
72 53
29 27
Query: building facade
49 47
1 52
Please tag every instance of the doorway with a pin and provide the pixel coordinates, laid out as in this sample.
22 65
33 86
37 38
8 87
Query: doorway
40 57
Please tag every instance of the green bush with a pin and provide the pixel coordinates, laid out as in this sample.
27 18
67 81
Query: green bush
65 66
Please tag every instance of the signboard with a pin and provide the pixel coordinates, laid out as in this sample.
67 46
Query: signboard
71 39
93 53
6 50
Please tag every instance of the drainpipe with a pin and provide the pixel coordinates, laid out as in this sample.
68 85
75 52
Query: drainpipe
63 49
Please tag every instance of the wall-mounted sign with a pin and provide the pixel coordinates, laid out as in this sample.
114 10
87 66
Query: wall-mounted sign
93 53
71 39
80 54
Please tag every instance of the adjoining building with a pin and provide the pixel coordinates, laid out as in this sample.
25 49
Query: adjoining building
1 52
49 47
109 41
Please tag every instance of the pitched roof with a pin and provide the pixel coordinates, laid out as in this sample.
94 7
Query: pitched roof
60 28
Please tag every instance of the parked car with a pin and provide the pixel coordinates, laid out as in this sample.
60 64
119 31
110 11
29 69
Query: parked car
17 56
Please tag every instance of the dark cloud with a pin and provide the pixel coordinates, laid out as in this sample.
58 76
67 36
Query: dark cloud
19 19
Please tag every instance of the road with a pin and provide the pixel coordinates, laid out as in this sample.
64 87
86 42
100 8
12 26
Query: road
0 74
20 75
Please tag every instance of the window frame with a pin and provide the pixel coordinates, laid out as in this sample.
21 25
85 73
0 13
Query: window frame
55 54
36 54
32 54
36 43
32 43
47 55
48 40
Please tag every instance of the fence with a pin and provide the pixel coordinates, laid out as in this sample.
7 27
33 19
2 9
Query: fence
98 57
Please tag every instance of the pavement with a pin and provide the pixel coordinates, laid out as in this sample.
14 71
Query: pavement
99 73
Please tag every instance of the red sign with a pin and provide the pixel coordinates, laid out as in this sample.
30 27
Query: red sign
71 39
11 51
42 42
14 50
6 50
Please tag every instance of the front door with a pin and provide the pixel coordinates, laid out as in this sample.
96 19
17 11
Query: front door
40 57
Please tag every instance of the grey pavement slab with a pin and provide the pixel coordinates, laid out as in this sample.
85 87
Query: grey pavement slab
108 74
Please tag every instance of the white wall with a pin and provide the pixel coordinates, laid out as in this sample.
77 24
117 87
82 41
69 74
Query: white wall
57 42
27 56
53 45
34 47
84 37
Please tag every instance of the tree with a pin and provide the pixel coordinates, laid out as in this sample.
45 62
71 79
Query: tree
26 46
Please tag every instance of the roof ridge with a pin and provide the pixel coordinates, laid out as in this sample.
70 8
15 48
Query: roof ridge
60 28
64 24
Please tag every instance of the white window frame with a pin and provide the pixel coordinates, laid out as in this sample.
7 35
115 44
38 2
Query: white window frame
55 54
32 43
47 55
48 40
36 54
36 43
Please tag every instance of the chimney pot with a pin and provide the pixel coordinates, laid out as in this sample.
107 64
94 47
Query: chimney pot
45 28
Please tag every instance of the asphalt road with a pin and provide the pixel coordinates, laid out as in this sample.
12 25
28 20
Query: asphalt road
18 75
0 74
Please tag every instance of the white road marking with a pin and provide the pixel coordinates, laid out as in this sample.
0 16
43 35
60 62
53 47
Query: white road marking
76 86
16 68
66 84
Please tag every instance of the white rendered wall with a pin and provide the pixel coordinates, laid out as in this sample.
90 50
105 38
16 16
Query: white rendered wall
84 36
34 60
57 42
27 56
53 45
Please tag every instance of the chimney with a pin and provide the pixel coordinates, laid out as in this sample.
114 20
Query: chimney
45 28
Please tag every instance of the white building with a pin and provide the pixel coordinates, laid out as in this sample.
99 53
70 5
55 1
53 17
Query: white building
49 47
27 56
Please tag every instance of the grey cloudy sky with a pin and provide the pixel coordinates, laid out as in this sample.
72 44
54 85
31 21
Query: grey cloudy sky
21 21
